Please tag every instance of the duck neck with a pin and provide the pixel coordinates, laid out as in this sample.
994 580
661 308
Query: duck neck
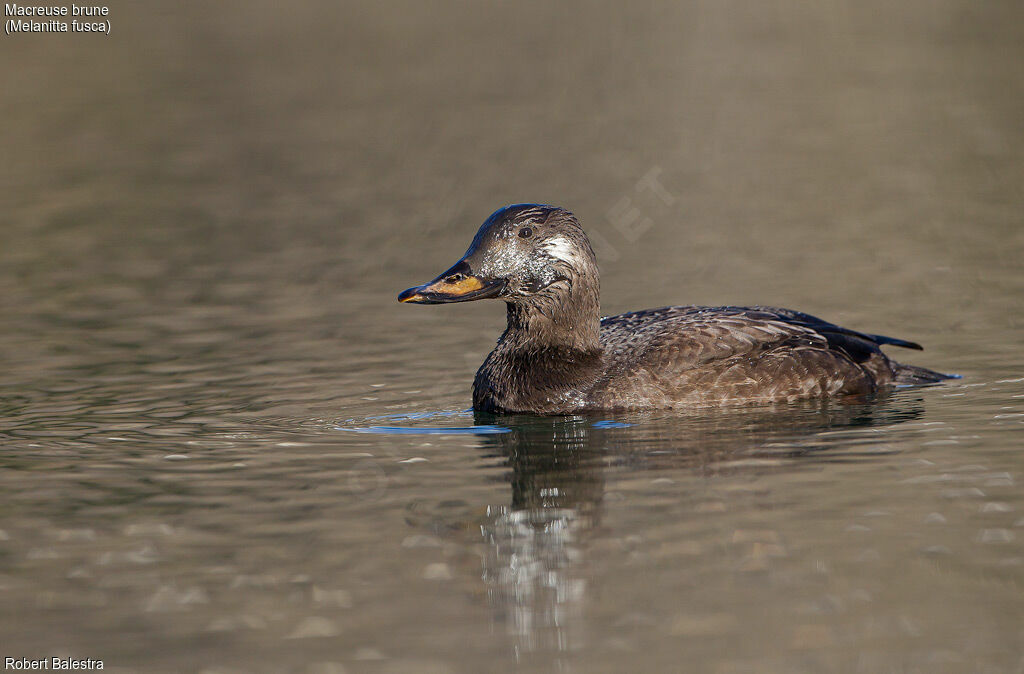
546 359
555 327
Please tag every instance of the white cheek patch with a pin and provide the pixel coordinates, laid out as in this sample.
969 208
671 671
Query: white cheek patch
560 248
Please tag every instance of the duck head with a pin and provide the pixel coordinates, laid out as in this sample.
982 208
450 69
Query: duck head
528 255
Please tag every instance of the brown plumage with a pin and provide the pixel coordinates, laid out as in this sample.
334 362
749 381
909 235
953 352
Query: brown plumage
558 356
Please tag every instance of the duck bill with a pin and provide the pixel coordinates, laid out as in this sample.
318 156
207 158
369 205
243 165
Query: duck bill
455 285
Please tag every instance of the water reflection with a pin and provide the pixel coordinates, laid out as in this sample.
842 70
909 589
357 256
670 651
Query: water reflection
535 560
531 567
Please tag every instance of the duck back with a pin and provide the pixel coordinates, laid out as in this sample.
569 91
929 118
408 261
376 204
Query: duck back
701 356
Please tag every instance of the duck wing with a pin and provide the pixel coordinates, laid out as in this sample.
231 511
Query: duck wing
732 354
825 328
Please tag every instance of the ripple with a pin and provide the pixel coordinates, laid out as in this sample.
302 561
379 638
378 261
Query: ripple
611 424
428 430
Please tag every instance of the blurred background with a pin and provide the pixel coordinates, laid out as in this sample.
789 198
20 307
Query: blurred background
206 218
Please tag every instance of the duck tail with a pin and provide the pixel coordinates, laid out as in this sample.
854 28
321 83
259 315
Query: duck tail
912 375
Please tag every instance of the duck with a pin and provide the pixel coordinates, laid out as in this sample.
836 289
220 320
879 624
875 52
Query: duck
559 356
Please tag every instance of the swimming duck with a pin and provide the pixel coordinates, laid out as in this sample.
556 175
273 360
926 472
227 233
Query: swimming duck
559 356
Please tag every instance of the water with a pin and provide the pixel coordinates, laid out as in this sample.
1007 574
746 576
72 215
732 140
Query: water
226 448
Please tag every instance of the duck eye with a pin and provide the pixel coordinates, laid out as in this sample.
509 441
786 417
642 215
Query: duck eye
454 278
525 233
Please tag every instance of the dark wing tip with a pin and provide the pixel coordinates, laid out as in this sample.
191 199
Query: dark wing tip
882 339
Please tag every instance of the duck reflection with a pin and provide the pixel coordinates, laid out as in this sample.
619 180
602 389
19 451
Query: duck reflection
534 567
534 554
